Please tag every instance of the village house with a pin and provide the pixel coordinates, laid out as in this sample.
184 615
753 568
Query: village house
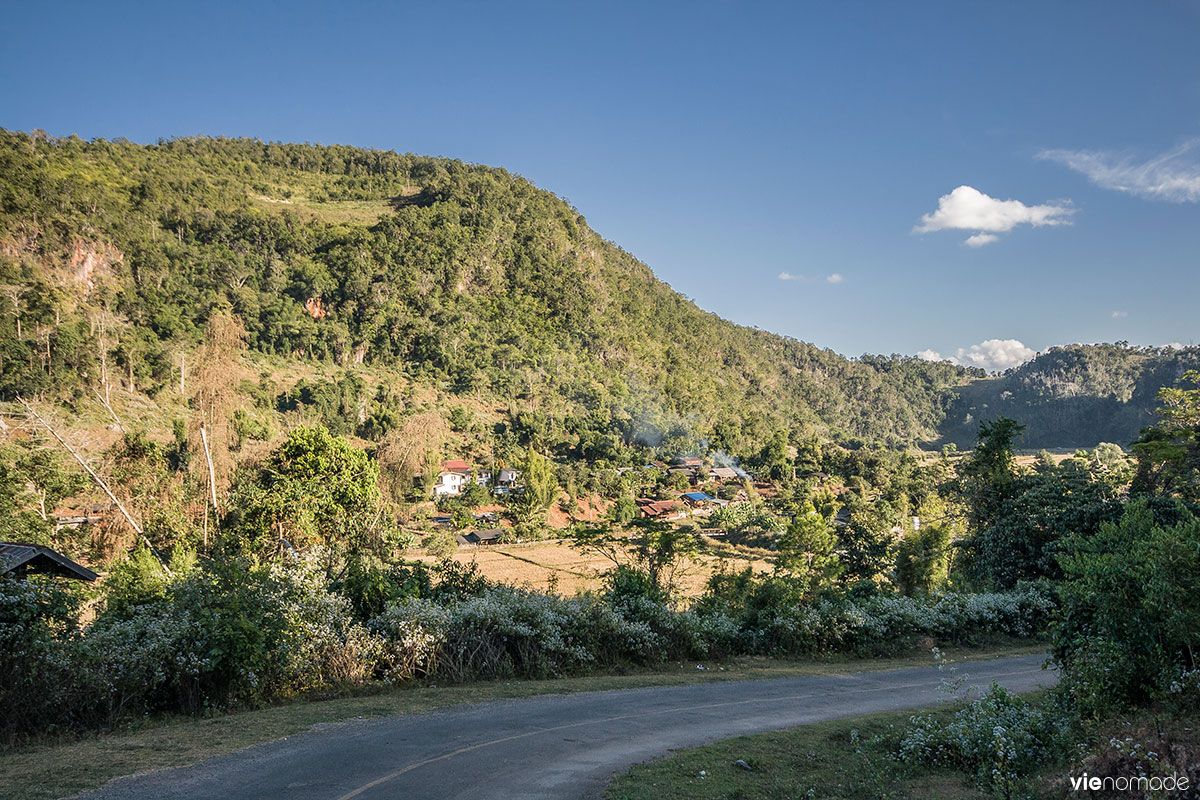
508 481
491 536
701 503
662 509
454 477
723 474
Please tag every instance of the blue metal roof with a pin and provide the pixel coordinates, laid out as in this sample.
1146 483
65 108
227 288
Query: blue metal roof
697 496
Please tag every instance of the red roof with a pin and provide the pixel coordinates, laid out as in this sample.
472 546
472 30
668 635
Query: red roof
659 507
455 465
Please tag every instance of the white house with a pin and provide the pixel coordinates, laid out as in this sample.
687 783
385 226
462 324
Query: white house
454 477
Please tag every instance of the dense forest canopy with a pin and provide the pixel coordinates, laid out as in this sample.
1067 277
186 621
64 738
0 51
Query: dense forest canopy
1073 396
114 255
454 274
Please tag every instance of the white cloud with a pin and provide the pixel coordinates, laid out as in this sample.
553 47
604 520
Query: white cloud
1175 345
1173 176
787 276
1120 314
993 355
980 239
968 209
834 278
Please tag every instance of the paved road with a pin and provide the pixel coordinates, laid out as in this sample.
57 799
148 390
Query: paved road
554 746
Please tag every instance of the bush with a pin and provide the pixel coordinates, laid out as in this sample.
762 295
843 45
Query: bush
37 632
506 632
224 634
1130 622
883 624
998 739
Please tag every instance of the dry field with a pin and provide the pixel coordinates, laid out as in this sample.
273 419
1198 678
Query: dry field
557 566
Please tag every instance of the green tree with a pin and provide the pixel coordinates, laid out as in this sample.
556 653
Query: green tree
923 559
986 476
314 489
541 485
774 459
624 510
652 549
1168 453
806 550
1129 623
866 543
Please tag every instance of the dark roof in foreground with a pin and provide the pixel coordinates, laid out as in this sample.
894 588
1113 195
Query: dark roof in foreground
478 537
21 557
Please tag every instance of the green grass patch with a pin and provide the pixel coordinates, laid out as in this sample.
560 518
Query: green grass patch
855 759
849 759
338 212
59 768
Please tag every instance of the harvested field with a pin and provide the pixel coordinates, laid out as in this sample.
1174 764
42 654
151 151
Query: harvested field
556 565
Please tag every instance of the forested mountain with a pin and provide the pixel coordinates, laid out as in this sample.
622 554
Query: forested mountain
463 278
1073 396
114 255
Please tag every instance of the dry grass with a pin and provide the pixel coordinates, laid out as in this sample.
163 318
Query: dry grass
352 212
556 565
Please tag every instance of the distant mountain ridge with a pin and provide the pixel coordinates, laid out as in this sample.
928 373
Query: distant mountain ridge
1073 396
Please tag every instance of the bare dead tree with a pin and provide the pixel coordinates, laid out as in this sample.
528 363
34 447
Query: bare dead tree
99 482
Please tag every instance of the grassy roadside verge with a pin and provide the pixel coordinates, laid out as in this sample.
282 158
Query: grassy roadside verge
845 759
60 768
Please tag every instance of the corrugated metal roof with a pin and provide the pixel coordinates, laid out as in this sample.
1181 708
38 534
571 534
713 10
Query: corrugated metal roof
698 496
26 557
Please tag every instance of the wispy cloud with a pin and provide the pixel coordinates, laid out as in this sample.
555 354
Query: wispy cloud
1173 176
1120 314
787 276
968 209
993 355
980 239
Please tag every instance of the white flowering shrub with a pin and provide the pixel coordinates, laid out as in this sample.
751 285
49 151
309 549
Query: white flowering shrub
321 645
998 739
229 634
37 638
512 632
883 624
233 633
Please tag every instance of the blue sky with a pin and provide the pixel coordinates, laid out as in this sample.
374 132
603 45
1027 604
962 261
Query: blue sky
729 144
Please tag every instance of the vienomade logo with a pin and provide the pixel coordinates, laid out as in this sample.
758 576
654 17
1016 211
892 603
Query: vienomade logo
1142 783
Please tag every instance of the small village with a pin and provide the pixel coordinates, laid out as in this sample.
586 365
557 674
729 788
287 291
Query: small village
688 487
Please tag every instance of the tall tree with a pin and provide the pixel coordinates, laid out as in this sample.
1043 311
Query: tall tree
806 550
213 377
1168 453
986 476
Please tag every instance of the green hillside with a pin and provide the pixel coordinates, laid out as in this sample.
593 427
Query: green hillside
405 269
1074 396
378 274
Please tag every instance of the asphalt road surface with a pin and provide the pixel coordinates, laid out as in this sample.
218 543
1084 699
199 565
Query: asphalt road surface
553 746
